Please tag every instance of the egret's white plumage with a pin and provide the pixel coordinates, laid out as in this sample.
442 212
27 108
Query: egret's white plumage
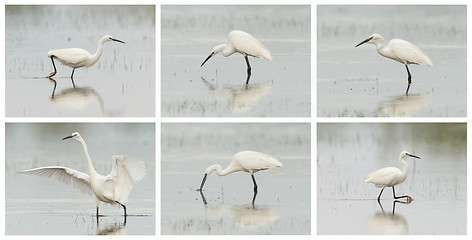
399 50
77 57
391 176
78 180
113 188
244 43
248 161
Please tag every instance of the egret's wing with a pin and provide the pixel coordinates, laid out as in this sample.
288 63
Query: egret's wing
125 171
256 160
78 180
383 176
73 57
409 52
246 43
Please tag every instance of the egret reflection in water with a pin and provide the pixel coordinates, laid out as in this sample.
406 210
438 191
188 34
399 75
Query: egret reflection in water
405 106
388 223
246 216
241 98
77 99
112 229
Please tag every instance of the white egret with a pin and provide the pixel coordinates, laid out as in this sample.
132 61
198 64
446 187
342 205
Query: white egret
399 50
244 43
77 57
391 176
113 188
248 161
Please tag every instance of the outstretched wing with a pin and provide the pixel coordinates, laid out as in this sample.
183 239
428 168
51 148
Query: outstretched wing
78 180
125 171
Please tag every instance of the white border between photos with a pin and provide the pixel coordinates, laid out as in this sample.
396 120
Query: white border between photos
158 120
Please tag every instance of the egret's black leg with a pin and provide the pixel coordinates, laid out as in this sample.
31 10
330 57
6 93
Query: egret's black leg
405 196
97 214
255 184
254 198
409 79
124 208
72 78
248 69
378 198
54 65
247 80
380 204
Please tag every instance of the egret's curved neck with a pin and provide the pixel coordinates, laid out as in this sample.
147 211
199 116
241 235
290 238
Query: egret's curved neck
380 46
405 167
92 171
219 170
224 49
99 51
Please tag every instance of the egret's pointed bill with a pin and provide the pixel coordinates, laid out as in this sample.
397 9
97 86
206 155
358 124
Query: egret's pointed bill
368 39
209 56
116 40
203 182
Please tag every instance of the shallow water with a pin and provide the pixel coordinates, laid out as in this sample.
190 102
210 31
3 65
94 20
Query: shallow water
121 83
37 205
280 87
282 204
358 82
437 182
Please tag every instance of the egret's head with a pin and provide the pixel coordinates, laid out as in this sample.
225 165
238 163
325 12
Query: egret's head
75 136
214 51
110 38
374 39
407 154
212 168
208 171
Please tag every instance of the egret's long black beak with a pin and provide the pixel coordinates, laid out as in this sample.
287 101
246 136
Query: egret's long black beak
209 56
203 182
411 155
67 137
116 40
368 39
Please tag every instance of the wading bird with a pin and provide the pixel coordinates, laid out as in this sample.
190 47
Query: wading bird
113 188
244 43
391 176
77 57
248 161
399 50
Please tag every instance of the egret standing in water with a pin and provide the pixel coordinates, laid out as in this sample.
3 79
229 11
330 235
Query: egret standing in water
399 50
113 188
391 176
244 43
248 161
77 57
